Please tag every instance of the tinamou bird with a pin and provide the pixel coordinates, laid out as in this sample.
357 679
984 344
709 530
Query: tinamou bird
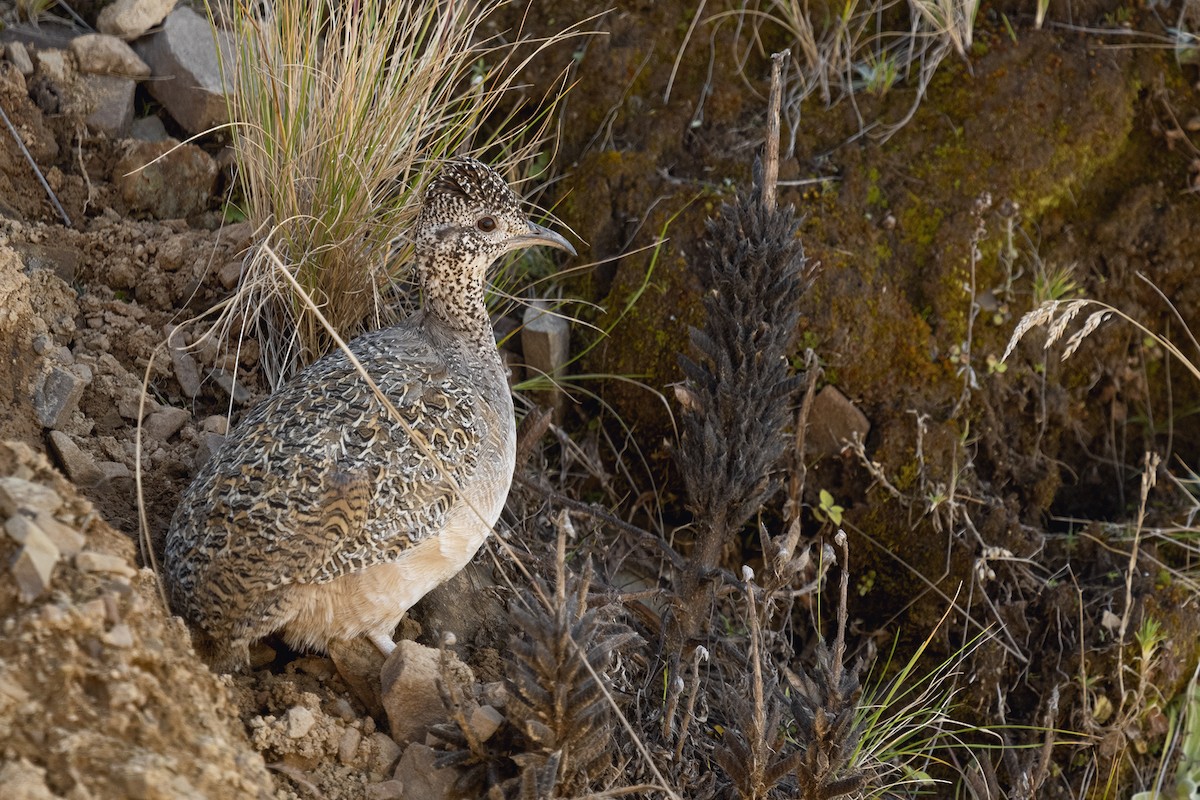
326 514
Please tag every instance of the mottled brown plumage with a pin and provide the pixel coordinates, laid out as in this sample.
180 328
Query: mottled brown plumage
323 517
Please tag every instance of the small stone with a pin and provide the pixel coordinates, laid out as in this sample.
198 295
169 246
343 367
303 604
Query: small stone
834 421
91 561
261 654
55 65
411 696
386 753
348 745
230 274
166 179
57 397
68 540
545 340
546 344
114 471
19 495
210 445
342 709
34 565
232 387
120 636
185 52
79 466
129 403
187 371
110 104
485 721
100 54
421 778
299 722
19 56
23 780
217 423
20 527
162 425
358 662
148 129
387 790
129 19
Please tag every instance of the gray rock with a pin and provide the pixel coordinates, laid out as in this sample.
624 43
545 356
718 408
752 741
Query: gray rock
57 397
545 339
217 423
129 19
34 564
832 422
21 496
187 371
20 527
100 54
387 753
546 343
421 778
386 790
485 721
55 65
62 258
114 471
68 540
299 722
19 56
129 403
110 104
79 466
233 388
184 55
210 445
230 274
167 180
164 424
358 662
90 561
23 780
120 636
410 689
348 745
148 129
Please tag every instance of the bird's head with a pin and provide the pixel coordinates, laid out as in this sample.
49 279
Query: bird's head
470 216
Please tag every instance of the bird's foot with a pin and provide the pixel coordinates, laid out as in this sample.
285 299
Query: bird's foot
384 642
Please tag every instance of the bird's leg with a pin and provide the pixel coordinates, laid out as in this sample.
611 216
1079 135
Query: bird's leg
384 642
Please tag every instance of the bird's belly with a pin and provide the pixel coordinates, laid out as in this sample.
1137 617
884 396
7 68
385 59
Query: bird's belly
373 600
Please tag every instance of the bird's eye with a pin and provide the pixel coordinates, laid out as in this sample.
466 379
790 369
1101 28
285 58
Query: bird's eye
486 224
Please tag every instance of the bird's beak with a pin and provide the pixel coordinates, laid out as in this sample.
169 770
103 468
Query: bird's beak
539 235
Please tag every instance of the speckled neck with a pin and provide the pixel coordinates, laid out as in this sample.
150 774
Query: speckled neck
454 295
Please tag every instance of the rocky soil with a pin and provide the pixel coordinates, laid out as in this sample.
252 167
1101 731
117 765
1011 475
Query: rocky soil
1087 153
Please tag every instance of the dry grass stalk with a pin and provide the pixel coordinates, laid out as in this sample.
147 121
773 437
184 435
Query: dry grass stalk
1057 315
341 113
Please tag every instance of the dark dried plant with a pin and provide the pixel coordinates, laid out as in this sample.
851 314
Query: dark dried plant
748 753
556 697
825 703
738 384
825 730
